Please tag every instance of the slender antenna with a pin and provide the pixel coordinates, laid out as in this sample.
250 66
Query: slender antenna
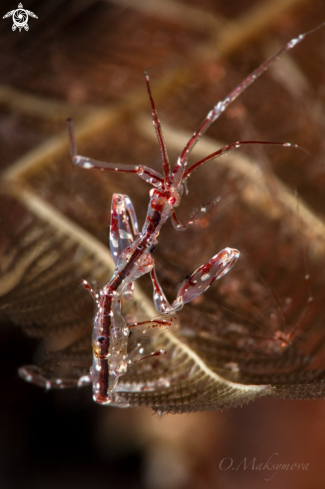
229 147
156 123
147 174
221 106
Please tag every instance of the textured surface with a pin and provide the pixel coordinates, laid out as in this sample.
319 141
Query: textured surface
86 60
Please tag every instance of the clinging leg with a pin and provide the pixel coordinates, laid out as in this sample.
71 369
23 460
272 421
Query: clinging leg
36 375
148 329
200 213
154 326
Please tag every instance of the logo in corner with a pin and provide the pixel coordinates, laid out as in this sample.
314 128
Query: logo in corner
20 18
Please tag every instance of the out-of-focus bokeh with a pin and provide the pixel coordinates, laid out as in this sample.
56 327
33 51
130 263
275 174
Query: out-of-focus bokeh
86 59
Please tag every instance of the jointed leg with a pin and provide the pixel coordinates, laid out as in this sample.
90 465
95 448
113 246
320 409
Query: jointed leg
148 329
200 213
94 293
147 174
134 356
37 376
154 326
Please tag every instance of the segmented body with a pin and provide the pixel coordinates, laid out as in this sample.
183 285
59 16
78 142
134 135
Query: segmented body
111 333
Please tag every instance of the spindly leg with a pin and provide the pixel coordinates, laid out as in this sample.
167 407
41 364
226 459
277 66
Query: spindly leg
197 283
148 329
94 293
154 326
200 213
152 354
36 375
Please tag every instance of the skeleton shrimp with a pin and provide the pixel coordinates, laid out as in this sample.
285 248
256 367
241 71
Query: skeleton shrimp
133 258
132 250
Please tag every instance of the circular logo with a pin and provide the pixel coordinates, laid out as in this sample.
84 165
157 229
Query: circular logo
20 18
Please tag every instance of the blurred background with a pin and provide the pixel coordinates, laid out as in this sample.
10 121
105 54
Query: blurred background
86 59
